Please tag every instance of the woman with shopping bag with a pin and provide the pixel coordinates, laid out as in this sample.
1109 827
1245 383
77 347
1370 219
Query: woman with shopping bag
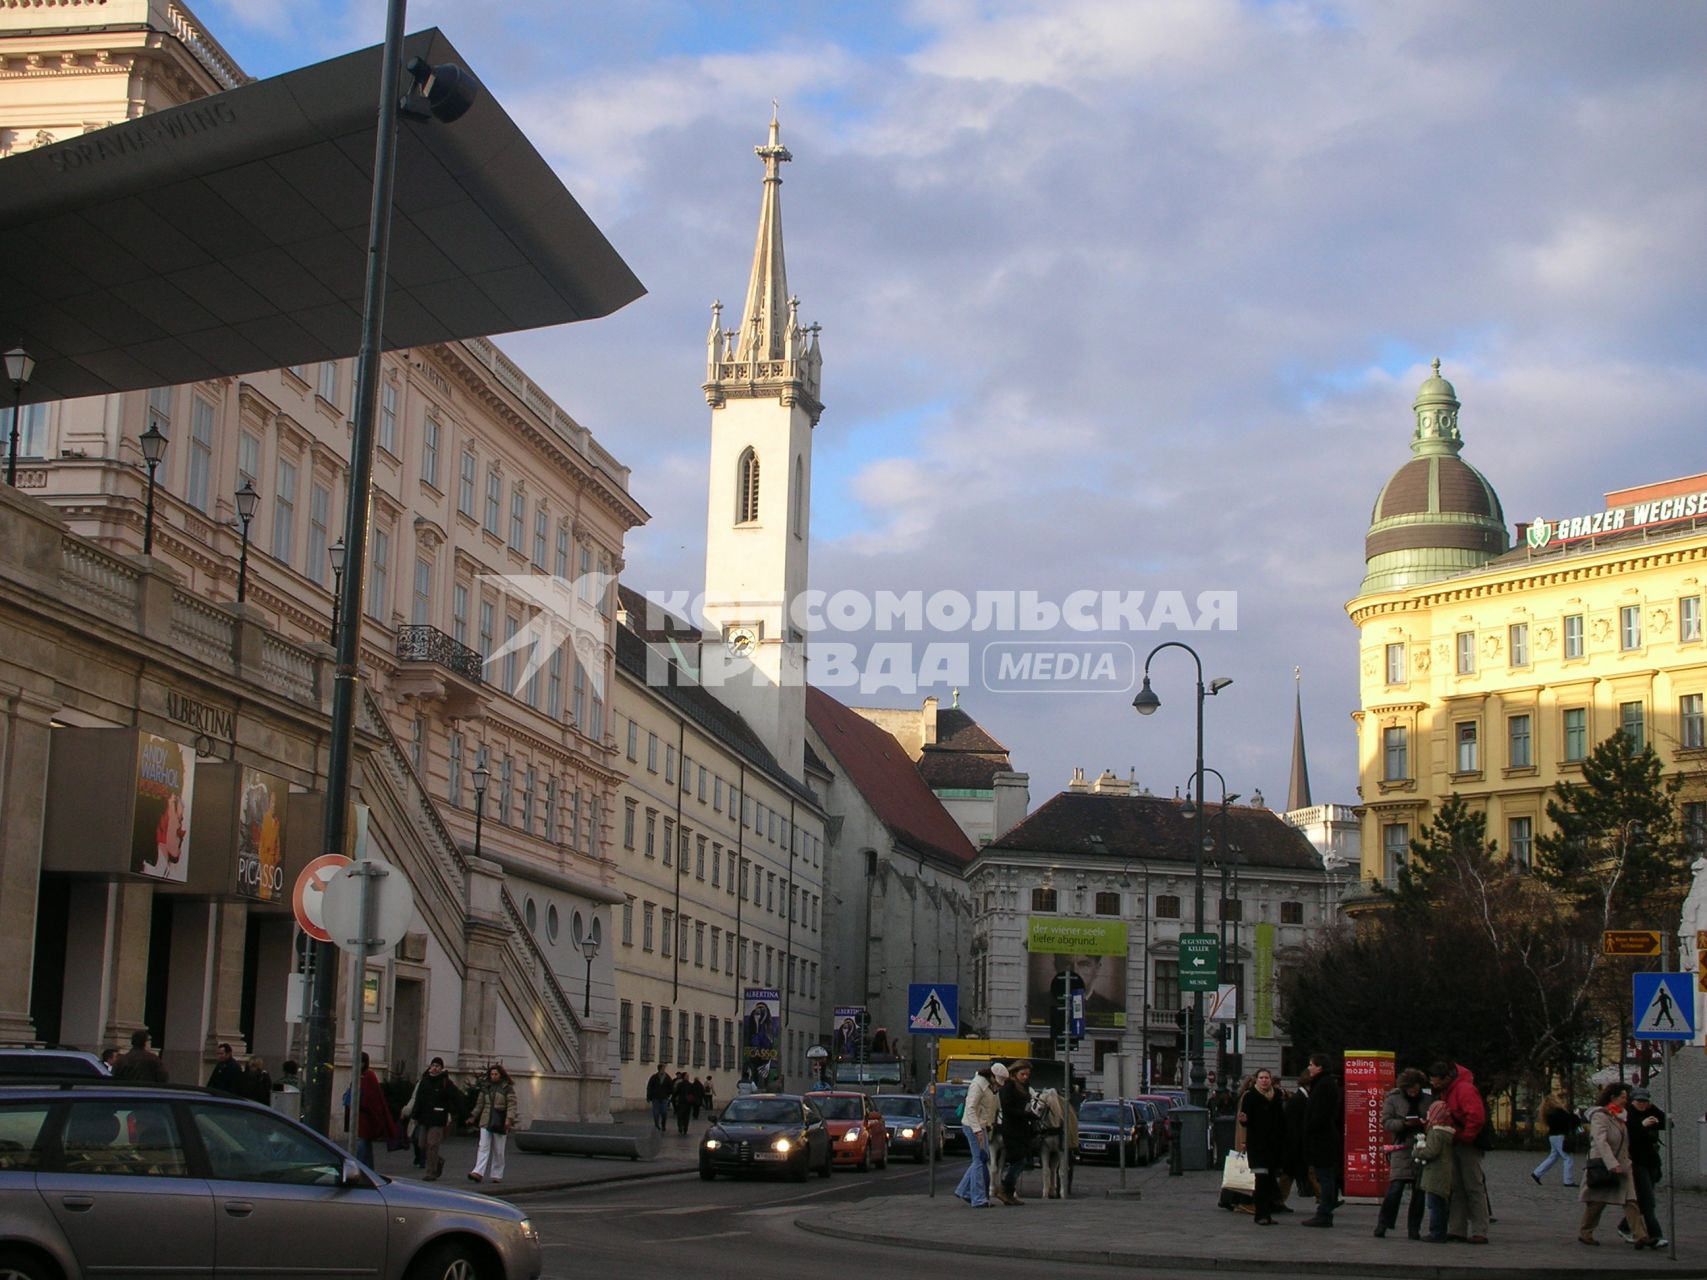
1262 1143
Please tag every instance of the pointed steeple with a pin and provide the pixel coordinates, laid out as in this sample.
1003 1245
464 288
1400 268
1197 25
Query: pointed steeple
765 327
1298 795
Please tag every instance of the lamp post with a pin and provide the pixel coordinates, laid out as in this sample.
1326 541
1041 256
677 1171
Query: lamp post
482 776
1145 704
335 553
154 444
1223 849
247 501
587 943
20 364
1144 1023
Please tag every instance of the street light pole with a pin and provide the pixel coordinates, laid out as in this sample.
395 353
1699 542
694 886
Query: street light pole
20 364
1145 704
482 776
335 553
247 501
154 444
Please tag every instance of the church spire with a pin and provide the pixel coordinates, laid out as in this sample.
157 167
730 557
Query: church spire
765 327
1298 795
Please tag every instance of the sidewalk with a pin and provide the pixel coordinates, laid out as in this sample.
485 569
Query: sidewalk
1176 1225
529 1172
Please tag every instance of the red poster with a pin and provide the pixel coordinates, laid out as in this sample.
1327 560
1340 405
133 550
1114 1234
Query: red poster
1368 1081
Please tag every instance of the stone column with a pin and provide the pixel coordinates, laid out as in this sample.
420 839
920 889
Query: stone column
225 995
133 920
487 934
25 739
273 968
88 964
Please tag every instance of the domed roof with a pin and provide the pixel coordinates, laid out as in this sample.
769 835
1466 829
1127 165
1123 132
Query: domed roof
1437 515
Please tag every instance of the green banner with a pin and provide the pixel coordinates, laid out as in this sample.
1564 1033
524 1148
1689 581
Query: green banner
1262 1015
1076 937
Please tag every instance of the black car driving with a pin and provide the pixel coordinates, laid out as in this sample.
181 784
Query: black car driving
766 1132
904 1116
1104 1125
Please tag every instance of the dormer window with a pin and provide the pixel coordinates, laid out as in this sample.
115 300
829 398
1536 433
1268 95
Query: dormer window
747 488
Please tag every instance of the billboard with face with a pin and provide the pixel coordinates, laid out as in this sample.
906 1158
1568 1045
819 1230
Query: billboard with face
1095 950
165 783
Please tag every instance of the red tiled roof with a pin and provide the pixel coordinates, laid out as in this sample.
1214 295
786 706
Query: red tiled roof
886 776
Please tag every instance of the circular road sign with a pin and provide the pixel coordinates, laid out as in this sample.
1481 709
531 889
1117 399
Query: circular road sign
308 897
393 906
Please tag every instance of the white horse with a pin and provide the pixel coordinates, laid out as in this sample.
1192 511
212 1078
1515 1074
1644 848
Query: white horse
1057 1134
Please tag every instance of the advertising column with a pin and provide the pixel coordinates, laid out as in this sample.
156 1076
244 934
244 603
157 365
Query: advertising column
1368 1081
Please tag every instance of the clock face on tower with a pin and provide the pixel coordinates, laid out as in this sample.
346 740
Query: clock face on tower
741 641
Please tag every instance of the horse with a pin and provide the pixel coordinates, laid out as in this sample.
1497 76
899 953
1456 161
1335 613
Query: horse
1057 1133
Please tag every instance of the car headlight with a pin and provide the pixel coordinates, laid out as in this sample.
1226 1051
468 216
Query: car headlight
528 1233
906 1133
711 1144
783 1145
852 1135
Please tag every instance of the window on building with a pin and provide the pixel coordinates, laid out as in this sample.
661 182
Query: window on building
682 1027
1231 909
32 429
1395 847
669 764
699 943
1630 627
716 1051
453 789
1576 733
1520 839
651 833
518 516
1519 747
319 521
630 811
1107 903
666 1036
669 934
421 603
494 501
548 824
646 1042
1689 618
541 524
1518 644
1631 723
379 575
1166 986
284 510
1692 731
716 947
747 488
578 697
1574 647
596 717
1695 827
593 828
647 913
248 458
729 882
431 438
716 865
1292 913
201 453
1395 753
628 922
465 483
669 841
1396 664
327 389
699 858
554 684
561 559
625 1032
1465 736
388 417
699 1040
1167 906
530 781
511 626
652 752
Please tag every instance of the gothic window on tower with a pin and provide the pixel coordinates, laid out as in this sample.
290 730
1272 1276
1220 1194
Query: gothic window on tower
747 488
799 497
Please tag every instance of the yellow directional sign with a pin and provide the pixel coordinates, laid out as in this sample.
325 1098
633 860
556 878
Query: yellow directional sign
1630 942
1701 959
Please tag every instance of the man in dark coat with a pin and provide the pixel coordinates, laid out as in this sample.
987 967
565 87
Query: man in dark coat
1646 1123
681 1095
139 1064
1324 1139
658 1089
227 1074
1016 1130
436 1095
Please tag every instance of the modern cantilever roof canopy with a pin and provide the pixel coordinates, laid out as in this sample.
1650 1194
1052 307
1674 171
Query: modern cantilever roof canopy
229 235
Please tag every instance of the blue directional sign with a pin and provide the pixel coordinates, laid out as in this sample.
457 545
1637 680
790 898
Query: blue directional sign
1663 1007
933 1008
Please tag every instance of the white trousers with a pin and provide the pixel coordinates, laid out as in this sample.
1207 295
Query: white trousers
490 1162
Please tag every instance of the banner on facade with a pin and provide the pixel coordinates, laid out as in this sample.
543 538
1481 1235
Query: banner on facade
759 1031
1368 1081
1262 1004
848 1039
260 836
1095 950
165 786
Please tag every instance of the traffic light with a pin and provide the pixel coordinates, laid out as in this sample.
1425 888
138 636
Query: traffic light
1066 999
1180 1017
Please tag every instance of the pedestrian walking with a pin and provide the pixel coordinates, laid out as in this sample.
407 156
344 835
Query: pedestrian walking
696 1097
979 1114
1456 1087
373 1115
429 1107
1297 1167
710 1098
1324 1139
254 1083
1561 1123
1432 1153
227 1074
1262 1140
681 1098
658 1089
495 1115
1609 1147
1646 1123
1017 1127
110 1058
1404 1117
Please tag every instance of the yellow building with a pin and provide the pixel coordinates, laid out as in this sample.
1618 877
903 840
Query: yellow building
1493 672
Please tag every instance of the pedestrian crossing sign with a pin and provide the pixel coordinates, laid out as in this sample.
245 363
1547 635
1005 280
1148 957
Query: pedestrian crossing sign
933 1008
1663 1006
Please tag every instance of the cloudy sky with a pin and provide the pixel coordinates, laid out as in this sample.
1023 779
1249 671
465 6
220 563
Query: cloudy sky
1124 296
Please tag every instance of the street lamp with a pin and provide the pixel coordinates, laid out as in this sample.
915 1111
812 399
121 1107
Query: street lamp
335 553
247 501
587 943
1144 1021
20 364
482 776
153 443
1145 704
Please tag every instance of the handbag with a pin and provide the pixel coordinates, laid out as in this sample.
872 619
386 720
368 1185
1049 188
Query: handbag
1597 1173
1236 1174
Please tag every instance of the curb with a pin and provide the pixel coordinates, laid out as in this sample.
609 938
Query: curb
641 1176
1178 1262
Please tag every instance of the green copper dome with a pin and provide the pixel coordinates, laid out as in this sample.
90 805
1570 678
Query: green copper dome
1437 515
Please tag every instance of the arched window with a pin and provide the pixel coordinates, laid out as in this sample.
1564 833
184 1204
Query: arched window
747 488
799 497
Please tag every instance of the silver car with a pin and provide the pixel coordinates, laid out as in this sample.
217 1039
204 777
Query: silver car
106 1180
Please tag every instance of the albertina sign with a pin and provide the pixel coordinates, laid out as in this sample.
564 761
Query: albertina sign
1544 533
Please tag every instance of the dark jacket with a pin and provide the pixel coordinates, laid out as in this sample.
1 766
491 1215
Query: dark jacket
1645 1137
433 1100
257 1086
1016 1119
142 1066
227 1077
1297 1103
1561 1122
658 1086
1324 1124
1264 1120
1403 1118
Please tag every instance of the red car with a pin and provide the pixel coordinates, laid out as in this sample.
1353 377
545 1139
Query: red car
858 1135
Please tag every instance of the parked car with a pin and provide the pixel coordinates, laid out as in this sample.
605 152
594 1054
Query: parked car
858 1135
766 1132
904 1117
49 1060
110 1178
1104 1126
951 1113
1162 1105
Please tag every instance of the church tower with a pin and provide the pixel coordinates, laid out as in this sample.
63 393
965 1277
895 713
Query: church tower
762 383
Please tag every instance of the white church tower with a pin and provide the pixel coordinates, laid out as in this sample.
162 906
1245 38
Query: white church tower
762 383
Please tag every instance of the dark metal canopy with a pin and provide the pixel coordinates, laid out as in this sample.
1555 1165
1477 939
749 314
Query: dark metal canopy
229 235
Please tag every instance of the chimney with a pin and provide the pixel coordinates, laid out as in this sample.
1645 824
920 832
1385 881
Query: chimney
928 719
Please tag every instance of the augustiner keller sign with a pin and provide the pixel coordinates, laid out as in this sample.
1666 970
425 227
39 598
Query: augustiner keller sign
1633 515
